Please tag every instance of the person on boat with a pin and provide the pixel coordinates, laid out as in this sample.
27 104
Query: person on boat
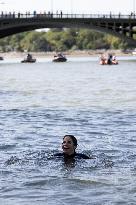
109 61
29 56
69 153
59 55
59 58
102 59
114 60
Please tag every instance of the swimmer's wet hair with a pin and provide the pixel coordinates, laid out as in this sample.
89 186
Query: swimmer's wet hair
73 139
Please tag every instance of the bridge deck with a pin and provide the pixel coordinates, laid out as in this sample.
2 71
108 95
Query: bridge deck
61 15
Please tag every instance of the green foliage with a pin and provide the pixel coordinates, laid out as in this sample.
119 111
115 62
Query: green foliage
60 40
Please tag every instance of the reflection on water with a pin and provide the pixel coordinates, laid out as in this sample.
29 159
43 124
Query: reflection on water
39 104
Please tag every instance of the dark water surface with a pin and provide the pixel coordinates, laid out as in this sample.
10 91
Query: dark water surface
41 102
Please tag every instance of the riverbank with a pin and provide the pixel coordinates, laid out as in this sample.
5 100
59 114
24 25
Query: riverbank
67 53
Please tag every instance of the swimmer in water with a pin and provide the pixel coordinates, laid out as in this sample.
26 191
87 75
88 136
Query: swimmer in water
69 146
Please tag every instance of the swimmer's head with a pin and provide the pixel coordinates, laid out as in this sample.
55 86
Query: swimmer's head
69 144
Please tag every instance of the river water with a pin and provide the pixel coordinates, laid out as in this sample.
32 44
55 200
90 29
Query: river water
39 104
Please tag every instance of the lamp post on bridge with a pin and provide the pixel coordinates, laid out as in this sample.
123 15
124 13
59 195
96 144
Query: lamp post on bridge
51 6
71 6
1 2
134 6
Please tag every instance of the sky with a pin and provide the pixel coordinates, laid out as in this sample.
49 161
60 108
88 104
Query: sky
70 6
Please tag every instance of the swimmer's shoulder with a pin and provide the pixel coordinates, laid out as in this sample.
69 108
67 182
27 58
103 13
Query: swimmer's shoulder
58 154
76 155
82 156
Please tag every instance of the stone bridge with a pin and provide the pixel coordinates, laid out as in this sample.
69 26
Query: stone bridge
122 26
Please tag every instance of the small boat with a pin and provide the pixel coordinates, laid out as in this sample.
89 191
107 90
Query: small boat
29 59
59 58
1 58
111 60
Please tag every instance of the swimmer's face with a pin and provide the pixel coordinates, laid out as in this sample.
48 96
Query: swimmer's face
68 145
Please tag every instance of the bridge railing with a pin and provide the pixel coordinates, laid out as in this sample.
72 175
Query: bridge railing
64 16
